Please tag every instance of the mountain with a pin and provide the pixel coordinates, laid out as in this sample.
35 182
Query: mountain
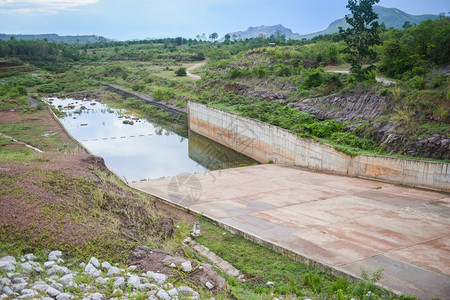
391 17
267 31
69 39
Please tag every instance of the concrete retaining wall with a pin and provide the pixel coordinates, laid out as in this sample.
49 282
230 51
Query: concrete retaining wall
264 142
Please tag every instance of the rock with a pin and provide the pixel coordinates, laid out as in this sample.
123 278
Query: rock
41 287
18 287
132 268
5 281
7 266
209 285
93 261
8 291
60 261
269 283
106 265
30 257
82 265
158 277
67 279
186 266
64 296
94 296
54 255
49 264
26 267
8 258
100 281
134 281
52 292
173 292
89 269
162 294
185 290
172 265
117 293
18 280
96 273
146 286
28 293
57 286
119 283
113 271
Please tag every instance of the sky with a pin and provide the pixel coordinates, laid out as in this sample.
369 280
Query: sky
140 19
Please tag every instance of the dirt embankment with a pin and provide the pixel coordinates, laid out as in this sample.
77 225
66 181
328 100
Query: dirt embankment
370 116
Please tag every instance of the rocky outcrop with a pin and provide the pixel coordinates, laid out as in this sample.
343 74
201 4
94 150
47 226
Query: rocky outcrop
366 108
347 108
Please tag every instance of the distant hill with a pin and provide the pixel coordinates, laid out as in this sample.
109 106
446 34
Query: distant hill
69 39
266 31
391 17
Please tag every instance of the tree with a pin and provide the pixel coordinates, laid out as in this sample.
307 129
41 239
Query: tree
361 36
213 36
181 72
227 38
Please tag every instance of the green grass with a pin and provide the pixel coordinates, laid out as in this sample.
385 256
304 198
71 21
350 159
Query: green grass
261 265
32 129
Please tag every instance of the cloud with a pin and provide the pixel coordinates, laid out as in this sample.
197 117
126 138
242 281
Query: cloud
40 7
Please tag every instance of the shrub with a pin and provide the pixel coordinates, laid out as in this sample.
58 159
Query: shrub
417 82
260 71
313 77
181 72
234 72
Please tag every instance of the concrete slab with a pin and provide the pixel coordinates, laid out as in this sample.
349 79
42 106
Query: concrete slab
336 222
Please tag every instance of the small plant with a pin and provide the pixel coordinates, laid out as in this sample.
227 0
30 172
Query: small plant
270 161
366 286
313 281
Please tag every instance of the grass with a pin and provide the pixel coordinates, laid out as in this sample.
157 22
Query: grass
37 128
261 265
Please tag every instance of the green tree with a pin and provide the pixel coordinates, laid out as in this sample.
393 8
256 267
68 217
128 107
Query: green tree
213 36
227 38
361 36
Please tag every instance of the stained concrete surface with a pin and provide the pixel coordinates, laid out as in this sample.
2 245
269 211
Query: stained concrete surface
338 221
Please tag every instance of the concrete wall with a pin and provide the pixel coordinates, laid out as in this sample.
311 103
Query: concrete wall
264 142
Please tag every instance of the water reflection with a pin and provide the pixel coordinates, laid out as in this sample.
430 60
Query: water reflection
139 149
215 156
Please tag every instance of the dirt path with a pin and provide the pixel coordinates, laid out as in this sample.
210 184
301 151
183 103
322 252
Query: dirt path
378 79
192 68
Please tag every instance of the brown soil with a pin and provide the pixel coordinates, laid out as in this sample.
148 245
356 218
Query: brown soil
159 261
49 201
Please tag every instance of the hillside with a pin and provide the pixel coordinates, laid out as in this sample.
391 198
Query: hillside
391 17
69 39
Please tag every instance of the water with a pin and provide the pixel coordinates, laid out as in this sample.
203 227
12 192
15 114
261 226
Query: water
143 150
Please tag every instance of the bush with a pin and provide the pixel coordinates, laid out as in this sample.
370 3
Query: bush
322 129
234 72
313 78
260 71
49 88
181 72
417 82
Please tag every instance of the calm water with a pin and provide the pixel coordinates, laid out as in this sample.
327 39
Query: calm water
143 150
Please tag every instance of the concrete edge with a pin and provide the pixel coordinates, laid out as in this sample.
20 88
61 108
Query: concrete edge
329 270
351 158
